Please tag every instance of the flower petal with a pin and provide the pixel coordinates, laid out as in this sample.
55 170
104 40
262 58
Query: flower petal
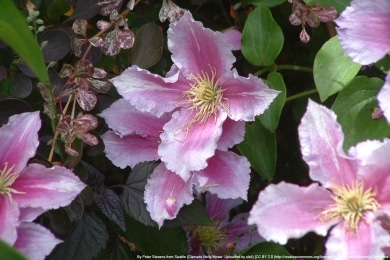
241 234
148 92
195 48
165 194
374 169
286 211
233 132
184 151
226 175
35 241
368 242
321 140
384 98
47 188
219 209
130 150
9 215
124 119
363 29
246 97
19 140
233 37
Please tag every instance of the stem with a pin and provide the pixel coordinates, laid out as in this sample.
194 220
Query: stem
275 67
302 94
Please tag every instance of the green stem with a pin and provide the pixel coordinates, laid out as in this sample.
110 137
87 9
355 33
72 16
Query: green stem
302 94
275 67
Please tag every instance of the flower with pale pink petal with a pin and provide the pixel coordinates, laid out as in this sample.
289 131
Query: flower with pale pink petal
363 29
135 138
352 193
27 191
227 235
201 90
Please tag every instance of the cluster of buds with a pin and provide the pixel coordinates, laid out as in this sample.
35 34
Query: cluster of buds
311 15
35 24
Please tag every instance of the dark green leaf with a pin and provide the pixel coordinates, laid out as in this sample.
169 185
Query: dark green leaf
333 69
133 193
148 46
193 214
154 241
116 250
87 238
7 252
262 38
259 146
270 118
110 204
269 3
72 161
267 250
15 32
20 86
95 179
56 9
354 107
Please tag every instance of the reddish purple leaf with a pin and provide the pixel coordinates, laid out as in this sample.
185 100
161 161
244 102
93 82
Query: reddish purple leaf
80 26
86 99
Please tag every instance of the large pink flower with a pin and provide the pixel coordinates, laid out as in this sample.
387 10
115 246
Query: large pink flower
135 138
27 191
201 89
352 192
363 29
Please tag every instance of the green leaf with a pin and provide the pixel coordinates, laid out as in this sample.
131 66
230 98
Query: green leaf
354 107
193 214
14 32
259 146
269 3
56 9
270 118
153 241
87 238
7 252
262 38
333 69
148 46
339 5
267 250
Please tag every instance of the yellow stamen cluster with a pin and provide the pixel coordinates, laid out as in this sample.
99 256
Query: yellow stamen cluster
211 238
205 95
351 202
7 178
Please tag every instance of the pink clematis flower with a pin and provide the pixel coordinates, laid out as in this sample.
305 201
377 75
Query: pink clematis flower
201 90
228 235
351 195
364 34
363 29
27 191
135 138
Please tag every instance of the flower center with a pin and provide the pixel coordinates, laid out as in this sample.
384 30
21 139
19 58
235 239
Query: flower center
351 202
7 178
210 237
205 95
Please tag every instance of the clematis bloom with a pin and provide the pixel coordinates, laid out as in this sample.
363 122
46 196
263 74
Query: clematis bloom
28 190
227 235
349 197
135 137
202 92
